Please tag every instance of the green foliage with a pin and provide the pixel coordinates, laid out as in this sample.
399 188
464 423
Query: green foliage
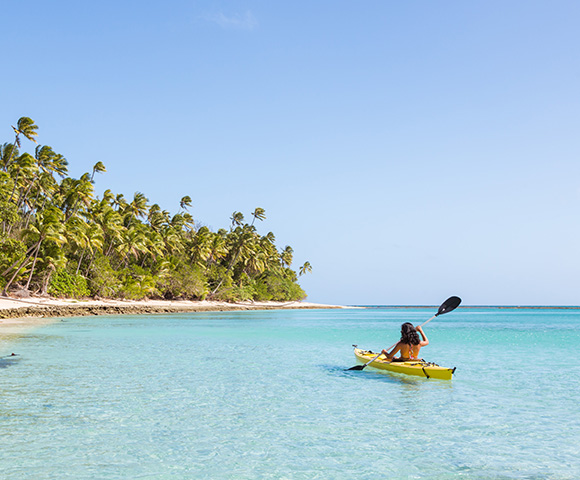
186 282
8 210
236 293
11 250
53 225
282 289
65 284
103 280
138 285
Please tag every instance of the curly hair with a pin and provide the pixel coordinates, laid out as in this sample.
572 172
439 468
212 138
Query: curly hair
409 335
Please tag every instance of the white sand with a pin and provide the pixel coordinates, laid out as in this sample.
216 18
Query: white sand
14 303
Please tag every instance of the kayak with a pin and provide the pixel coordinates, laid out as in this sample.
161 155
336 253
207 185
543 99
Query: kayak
419 368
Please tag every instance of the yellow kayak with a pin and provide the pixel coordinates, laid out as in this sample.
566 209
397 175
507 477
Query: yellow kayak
420 368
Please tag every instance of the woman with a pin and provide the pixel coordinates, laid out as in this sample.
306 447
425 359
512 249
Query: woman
409 345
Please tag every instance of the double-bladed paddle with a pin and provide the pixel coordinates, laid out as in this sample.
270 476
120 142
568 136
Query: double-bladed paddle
447 306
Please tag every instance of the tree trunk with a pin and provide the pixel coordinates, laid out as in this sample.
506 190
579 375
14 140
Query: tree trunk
47 280
80 260
37 245
90 264
33 266
30 250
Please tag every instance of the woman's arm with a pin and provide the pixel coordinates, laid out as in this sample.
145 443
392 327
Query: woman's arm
393 351
425 340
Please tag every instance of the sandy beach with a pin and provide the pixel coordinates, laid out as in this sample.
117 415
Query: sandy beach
36 310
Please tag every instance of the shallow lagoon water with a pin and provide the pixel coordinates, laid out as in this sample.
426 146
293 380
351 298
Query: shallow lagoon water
265 395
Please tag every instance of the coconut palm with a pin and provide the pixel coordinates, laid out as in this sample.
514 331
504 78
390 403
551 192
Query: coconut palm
47 227
98 167
306 268
119 202
185 202
286 256
218 248
200 249
137 208
258 214
58 221
47 163
7 151
237 219
25 127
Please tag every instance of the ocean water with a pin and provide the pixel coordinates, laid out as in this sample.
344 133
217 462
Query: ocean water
265 395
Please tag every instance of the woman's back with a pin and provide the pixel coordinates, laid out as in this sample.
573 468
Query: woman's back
409 351
409 345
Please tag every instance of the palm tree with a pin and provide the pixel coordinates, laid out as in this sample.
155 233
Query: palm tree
48 226
98 167
259 214
133 242
7 151
119 202
23 169
217 248
47 163
75 192
200 249
306 268
237 219
185 202
240 246
26 128
95 239
138 207
286 256
60 222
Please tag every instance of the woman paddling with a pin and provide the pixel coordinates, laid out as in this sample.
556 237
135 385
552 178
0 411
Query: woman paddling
409 345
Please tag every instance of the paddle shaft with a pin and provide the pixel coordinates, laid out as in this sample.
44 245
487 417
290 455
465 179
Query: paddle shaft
395 344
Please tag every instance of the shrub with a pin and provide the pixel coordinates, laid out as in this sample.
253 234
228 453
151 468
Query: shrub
281 288
138 284
103 280
235 293
186 281
65 284
10 251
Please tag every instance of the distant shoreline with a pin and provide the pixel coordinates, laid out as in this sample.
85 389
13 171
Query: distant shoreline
13 310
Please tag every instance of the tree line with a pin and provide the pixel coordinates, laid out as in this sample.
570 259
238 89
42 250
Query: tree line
58 238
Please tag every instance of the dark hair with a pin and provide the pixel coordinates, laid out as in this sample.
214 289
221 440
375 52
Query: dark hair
409 335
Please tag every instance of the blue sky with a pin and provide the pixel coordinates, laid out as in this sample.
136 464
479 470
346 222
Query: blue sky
409 150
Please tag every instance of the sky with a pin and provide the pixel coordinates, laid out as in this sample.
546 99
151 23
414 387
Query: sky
409 151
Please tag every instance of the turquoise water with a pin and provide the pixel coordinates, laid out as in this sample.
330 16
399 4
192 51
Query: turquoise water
264 395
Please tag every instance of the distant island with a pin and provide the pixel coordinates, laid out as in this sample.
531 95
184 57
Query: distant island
57 238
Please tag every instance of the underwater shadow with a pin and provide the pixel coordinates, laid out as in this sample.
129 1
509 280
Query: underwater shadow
9 360
378 376
383 376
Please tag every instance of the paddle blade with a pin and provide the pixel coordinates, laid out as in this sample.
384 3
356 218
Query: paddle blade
448 305
356 367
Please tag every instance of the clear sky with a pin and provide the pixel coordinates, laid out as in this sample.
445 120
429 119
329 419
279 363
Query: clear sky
409 150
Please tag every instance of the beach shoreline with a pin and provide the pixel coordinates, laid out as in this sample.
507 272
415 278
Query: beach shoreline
29 310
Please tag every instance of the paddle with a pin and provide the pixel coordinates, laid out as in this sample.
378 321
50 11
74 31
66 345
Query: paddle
447 306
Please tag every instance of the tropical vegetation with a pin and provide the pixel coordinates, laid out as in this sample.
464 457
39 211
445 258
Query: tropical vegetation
58 238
